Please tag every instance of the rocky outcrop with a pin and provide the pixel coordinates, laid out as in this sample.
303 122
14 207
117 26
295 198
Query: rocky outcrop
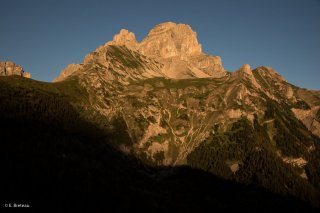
245 72
125 38
299 162
309 118
270 73
70 69
210 65
10 68
247 69
177 47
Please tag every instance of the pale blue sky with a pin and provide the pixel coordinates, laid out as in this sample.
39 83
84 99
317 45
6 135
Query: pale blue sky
44 36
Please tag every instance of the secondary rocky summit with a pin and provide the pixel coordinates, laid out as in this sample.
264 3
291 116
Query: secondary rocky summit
169 50
10 68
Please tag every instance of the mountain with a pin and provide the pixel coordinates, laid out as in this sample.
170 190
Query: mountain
166 105
170 50
10 68
171 96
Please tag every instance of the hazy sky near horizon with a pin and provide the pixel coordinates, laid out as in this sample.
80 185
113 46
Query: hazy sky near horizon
44 36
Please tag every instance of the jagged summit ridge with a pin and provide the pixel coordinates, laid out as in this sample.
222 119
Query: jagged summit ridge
164 40
169 50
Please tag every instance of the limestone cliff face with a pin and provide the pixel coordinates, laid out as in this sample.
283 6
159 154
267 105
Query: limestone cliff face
211 65
177 47
10 68
169 40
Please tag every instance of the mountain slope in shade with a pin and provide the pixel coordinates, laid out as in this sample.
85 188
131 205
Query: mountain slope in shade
51 156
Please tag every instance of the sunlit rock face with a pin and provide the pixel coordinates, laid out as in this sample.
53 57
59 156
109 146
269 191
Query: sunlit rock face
10 68
177 47
169 50
210 65
169 40
71 68
125 38
310 118
247 69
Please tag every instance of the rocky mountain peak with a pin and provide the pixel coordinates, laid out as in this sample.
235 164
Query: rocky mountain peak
169 40
169 50
125 38
162 27
246 68
10 68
